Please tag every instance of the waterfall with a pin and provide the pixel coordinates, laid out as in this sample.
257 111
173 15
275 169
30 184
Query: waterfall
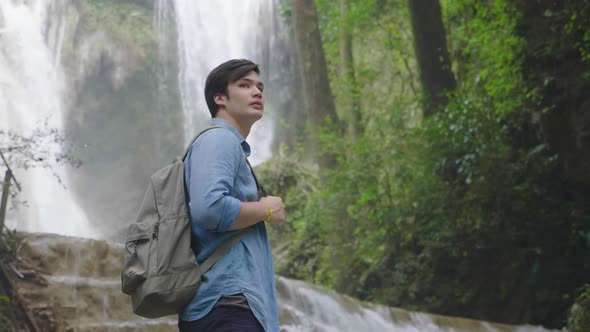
62 67
31 90
209 33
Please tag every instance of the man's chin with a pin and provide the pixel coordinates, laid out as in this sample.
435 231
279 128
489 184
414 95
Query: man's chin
252 117
255 109
257 114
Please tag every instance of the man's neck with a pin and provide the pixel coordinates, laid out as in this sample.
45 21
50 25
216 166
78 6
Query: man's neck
243 130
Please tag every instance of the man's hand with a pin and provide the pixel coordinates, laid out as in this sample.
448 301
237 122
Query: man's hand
254 212
278 208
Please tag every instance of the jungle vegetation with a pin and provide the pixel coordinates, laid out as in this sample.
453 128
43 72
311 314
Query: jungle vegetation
444 164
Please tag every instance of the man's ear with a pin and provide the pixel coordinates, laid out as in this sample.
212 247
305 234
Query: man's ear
220 99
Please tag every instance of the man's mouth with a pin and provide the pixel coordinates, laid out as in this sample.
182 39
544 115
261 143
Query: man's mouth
256 105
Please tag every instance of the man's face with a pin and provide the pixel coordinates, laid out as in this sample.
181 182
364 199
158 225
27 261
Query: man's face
244 101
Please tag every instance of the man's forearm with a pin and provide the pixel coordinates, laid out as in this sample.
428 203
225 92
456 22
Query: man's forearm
250 214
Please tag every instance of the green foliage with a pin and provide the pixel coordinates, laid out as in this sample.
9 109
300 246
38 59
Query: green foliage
486 50
463 213
578 27
130 23
579 315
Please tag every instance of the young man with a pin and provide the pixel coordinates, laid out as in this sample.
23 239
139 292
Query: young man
238 292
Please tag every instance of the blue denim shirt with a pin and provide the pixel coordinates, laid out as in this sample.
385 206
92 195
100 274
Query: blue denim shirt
218 179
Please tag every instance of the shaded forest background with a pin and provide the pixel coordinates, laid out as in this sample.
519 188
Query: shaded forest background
443 161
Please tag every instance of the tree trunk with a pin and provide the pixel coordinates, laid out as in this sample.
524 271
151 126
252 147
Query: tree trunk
350 94
318 100
432 54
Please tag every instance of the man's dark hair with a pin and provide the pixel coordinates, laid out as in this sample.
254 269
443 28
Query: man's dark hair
220 77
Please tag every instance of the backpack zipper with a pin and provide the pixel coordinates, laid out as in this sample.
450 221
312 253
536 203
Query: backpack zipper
155 235
156 231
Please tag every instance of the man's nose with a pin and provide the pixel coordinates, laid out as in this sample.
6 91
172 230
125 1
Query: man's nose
257 92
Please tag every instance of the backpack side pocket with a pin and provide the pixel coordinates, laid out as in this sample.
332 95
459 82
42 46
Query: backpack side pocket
174 246
135 268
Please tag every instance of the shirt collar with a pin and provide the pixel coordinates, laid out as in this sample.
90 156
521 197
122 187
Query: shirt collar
225 124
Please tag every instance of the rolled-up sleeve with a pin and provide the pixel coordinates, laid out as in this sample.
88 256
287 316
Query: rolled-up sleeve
214 160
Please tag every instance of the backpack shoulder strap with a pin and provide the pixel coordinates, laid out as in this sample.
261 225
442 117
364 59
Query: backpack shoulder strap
223 249
259 187
195 138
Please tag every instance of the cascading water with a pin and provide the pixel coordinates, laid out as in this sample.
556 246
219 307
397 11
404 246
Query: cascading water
209 33
122 130
305 308
32 85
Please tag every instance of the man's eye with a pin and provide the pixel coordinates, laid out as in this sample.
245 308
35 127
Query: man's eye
243 85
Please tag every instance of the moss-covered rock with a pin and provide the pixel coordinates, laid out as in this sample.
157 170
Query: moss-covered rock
124 21
579 315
